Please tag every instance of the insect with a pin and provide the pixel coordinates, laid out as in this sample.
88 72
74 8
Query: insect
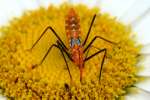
77 49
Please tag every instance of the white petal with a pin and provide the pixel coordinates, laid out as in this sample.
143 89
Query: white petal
89 3
116 7
143 31
10 9
141 95
146 49
137 9
146 63
3 98
128 11
46 3
29 4
145 85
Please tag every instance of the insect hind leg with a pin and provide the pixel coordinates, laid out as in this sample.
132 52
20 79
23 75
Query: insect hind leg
103 59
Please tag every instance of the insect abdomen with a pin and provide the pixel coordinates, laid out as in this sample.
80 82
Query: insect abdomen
72 25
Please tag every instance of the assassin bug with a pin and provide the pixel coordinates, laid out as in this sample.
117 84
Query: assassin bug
76 51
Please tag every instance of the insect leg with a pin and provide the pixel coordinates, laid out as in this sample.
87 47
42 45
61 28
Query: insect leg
86 55
66 63
93 55
49 27
54 45
34 91
89 30
97 37
63 49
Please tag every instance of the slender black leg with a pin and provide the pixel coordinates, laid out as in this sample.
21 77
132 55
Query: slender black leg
66 64
97 37
49 27
34 91
93 55
86 55
89 30
63 49
54 45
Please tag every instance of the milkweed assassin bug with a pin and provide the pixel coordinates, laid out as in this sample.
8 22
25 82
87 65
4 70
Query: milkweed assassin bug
76 50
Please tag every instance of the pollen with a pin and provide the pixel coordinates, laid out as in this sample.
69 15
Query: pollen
21 77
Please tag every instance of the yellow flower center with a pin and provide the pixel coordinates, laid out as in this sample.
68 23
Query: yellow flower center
22 79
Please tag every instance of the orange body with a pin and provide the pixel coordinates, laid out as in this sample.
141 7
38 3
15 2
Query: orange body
73 35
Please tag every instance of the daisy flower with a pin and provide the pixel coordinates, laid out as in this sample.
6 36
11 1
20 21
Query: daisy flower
125 74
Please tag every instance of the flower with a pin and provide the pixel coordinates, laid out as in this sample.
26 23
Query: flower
40 74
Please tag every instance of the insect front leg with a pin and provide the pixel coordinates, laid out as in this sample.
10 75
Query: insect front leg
53 31
86 38
89 30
